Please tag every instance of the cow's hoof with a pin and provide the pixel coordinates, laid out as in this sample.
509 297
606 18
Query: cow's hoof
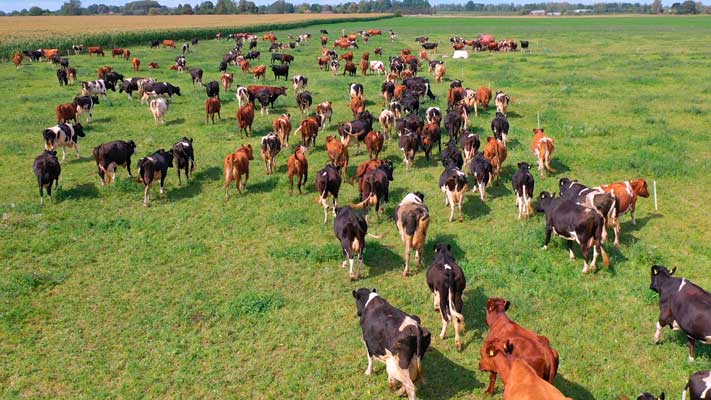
545 247
461 219
459 346
691 359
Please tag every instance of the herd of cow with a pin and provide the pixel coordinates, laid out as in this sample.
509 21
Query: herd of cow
525 361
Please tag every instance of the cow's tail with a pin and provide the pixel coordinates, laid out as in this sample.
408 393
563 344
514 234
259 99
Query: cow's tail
365 204
418 353
598 242
683 393
141 169
450 298
47 134
298 129
421 231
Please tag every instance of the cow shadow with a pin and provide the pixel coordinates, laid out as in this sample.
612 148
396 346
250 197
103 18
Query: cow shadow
558 165
572 389
102 119
474 207
499 189
474 314
512 114
679 338
445 378
177 121
86 190
192 187
380 259
265 186
445 238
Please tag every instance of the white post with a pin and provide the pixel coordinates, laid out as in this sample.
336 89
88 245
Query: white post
538 120
656 208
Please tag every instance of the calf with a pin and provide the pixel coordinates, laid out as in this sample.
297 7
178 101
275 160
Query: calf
282 127
154 167
65 112
698 387
574 222
412 219
47 169
63 135
304 100
212 107
309 131
528 346
333 66
245 117
393 337
375 188
227 79
110 155
520 379
470 146
626 194
184 156
523 187
502 102
682 306
409 144
446 281
500 127
270 146
374 143
236 165
453 183
85 104
495 151
328 181
298 166
159 107
543 147
483 171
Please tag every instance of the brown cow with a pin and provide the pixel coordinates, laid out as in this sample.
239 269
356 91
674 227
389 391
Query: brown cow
323 62
528 346
237 164
309 130
495 152
17 60
439 72
483 96
282 127
96 50
49 53
227 78
364 64
423 55
116 52
259 71
102 71
405 74
374 142
520 379
350 68
169 43
378 51
357 105
298 166
245 117
72 74
136 64
244 65
348 56
454 96
324 111
543 147
126 54
399 91
373 32
65 112
626 194
212 107
363 168
337 154
153 65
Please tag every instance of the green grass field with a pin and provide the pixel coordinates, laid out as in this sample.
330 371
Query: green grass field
195 297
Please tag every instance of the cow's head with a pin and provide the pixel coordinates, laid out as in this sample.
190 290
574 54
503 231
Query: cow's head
78 130
248 150
648 396
495 306
176 90
492 349
564 183
536 131
361 297
420 196
639 186
660 274
442 248
50 153
544 201
132 146
388 167
169 157
524 166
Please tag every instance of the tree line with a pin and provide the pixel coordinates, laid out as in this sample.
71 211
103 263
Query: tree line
152 7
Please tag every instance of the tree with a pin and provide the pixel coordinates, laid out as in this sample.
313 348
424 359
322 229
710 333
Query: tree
225 7
656 7
36 11
188 9
72 7
315 8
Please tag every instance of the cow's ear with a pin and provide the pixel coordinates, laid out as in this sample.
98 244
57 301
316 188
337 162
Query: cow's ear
509 347
449 247
507 305
374 291
655 270
672 271
355 295
662 396
436 249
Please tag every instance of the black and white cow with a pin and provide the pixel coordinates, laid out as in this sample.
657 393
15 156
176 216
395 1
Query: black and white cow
350 228
47 169
111 78
409 142
186 47
574 222
470 143
453 183
300 82
62 77
682 306
328 181
184 155
698 387
131 85
154 167
63 135
110 155
649 396
159 89
213 89
500 127
433 114
604 203
355 90
483 172
393 337
410 103
447 282
33 55
523 183
451 156
85 104
304 100
97 87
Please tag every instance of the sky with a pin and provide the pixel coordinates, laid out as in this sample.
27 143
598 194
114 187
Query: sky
10 5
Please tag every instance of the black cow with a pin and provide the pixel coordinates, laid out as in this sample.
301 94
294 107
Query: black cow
62 77
263 96
451 156
155 43
324 32
111 78
281 70
523 183
410 103
649 396
524 44
419 85
357 128
394 338
500 127
454 124
252 44
86 104
154 167
699 386
350 228
213 89
682 306
574 222
328 181
375 187
304 100
453 183
47 170
110 155
447 282
482 170
430 46
252 55
33 55
196 75
605 203
195 41
163 89
409 142
184 156
223 66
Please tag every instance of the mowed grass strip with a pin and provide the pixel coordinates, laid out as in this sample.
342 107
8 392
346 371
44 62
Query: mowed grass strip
195 297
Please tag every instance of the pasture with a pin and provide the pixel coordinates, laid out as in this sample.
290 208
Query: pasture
196 297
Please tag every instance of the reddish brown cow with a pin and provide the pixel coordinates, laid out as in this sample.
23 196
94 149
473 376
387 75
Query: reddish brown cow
227 78
245 117
96 50
423 55
116 52
543 147
378 51
102 71
136 64
357 105
323 62
528 346
236 165
259 71
373 32
309 130
212 107
49 53
374 142
626 194
126 54
169 43
65 112
282 127
298 166
405 52
399 91
72 74
152 65
245 66
364 64
454 96
363 168
17 60
483 96
495 152
348 56
337 154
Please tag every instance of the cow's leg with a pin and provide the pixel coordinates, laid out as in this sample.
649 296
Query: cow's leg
76 148
445 324
146 192
482 192
402 376
41 192
360 261
692 345
368 370
162 182
324 203
570 250
586 251
64 152
492 383
616 229
460 204
179 181
548 164
549 230
436 300
408 243
634 221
